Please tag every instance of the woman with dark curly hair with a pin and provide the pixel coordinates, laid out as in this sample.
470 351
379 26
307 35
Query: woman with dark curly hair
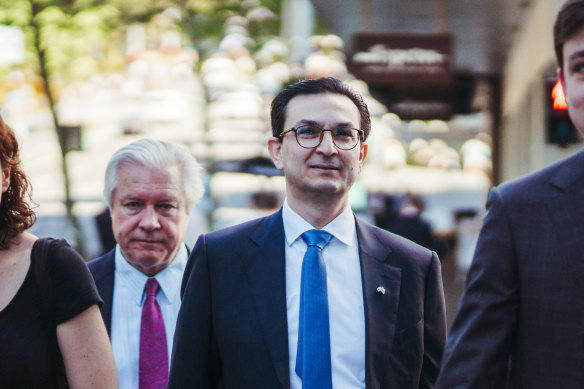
51 331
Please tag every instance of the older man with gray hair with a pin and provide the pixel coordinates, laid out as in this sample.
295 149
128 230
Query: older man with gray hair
150 188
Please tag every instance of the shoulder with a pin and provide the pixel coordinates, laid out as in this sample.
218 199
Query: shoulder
59 252
402 250
72 286
256 227
102 265
62 261
558 175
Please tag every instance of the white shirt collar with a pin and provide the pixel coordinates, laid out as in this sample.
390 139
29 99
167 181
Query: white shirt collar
342 227
169 287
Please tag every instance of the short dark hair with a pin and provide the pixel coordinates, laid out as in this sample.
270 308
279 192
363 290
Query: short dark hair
313 87
16 215
569 22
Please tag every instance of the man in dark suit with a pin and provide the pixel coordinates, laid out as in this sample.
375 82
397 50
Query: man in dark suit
150 187
520 322
265 306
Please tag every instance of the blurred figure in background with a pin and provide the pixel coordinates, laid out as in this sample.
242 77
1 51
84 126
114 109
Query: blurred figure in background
403 215
51 332
150 188
265 203
103 220
520 321
405 220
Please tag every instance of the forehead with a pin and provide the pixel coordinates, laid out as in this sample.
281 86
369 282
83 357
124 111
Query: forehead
574 47
323 108
137 181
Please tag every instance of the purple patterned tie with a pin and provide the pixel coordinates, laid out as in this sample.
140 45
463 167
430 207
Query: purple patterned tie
153 354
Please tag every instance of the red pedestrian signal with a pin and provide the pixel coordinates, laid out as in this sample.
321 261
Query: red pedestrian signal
559 97
559 127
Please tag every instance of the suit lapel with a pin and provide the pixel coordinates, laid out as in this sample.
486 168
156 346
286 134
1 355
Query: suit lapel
381 292
265 265
566 210
102 270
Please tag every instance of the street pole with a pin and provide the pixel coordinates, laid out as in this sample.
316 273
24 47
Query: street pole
41 53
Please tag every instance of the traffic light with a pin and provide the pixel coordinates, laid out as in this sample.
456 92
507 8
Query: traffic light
559 127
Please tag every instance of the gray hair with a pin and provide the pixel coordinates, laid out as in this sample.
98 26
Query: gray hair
156 153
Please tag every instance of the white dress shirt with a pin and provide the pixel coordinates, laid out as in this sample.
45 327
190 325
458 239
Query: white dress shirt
128 299
345 296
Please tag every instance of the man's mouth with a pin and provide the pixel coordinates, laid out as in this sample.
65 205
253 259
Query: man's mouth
146 241
323 166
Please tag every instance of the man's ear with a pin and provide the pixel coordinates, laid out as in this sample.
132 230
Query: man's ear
363 153
275 150
562 78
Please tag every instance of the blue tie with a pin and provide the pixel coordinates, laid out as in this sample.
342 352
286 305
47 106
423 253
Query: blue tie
313 358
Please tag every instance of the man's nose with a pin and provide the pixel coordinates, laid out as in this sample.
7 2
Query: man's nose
327 144
149 220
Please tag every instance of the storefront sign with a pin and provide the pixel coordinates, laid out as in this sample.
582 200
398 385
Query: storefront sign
402 59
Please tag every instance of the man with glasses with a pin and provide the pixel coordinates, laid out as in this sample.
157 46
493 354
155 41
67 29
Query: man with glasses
311 297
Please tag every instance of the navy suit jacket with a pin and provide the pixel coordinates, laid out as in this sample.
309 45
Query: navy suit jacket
521 320
232 327
102 269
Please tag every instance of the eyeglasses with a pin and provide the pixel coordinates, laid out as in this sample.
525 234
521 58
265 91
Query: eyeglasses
310 136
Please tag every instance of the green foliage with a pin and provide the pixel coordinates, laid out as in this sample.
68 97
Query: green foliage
14 12
74 42
80 37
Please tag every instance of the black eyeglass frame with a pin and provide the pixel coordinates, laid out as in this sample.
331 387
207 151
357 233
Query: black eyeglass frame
295 129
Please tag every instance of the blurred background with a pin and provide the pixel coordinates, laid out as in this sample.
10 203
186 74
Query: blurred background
459 91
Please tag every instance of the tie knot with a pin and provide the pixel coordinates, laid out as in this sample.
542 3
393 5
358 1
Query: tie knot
317 238
151 287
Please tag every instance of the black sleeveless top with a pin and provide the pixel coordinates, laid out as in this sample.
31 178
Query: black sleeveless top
27 354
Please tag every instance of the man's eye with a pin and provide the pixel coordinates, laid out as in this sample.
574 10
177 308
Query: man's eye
344 133
579 68
165 206
308 131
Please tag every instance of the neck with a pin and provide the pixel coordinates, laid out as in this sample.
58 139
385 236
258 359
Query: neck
318 211
18 243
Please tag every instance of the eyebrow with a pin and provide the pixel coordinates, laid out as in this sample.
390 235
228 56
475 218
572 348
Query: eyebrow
133 197
305 122
129 197
576 55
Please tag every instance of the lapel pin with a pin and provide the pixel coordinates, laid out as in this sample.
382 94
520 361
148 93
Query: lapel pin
381 289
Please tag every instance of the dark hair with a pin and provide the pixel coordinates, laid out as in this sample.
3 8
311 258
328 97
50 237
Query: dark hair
569 22
313 87
16 215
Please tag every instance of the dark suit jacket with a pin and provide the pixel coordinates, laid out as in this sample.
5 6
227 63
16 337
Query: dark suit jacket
521 320
102 269
233 328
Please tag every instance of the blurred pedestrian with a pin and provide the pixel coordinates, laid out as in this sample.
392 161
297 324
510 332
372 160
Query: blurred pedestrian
51 332
405 219
103 221
150 188
521 319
